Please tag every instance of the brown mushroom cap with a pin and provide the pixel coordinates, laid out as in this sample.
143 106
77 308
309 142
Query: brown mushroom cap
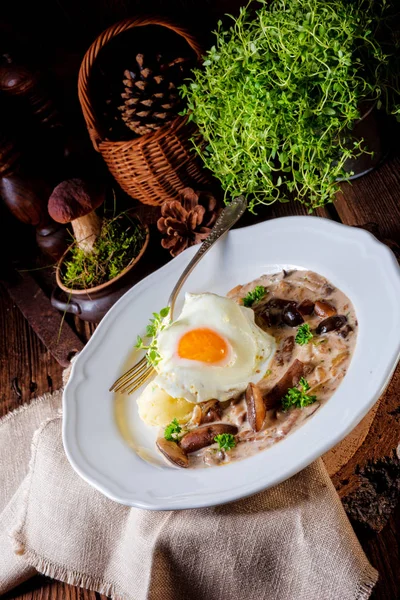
173 453
204 436
74 198
256 409
288 380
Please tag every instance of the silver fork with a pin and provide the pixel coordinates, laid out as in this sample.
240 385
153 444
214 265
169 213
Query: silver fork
136 376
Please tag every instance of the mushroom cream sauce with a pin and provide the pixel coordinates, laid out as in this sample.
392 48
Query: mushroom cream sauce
292 298
326 358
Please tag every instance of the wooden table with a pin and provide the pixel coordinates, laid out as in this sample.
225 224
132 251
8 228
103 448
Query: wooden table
365 468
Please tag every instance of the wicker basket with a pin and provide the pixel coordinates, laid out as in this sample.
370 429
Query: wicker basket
153 167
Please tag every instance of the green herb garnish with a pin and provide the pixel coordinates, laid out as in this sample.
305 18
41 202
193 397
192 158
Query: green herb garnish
153 329
255 295
303 335
298 398
172 431
226 441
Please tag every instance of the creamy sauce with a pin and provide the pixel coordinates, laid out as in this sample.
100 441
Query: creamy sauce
326 359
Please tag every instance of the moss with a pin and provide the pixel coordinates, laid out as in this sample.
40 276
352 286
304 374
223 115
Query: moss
120 242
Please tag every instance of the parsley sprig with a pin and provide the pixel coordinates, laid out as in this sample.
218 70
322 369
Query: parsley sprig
303 335
298 398
172 431
255 295
226 441
156 325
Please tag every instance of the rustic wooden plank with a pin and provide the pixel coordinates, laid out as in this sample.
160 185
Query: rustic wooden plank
369 483
374 198
47 322
27 368
340 455
384 553
43 588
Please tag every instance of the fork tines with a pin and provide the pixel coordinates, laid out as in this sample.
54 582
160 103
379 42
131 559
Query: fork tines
135 373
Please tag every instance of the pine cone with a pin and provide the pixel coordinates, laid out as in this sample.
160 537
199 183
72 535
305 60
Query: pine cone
187 221
150 96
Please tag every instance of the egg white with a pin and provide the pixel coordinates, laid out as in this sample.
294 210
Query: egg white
250 351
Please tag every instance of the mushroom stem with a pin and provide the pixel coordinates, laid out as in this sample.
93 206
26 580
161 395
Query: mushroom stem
86 231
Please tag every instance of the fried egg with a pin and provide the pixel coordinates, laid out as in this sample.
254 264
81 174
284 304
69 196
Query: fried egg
213 350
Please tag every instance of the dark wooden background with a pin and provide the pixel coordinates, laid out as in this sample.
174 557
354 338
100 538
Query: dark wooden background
55 35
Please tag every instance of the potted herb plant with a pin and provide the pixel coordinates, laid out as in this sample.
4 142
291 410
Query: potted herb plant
99 266
280 93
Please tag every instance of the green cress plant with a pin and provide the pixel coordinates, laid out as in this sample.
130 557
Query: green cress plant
279 94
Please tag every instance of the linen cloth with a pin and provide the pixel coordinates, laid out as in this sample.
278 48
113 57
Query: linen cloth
292 542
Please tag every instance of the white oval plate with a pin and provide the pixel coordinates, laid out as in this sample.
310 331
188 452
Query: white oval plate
350 258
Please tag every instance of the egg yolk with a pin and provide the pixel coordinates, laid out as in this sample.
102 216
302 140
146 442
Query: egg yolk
204 345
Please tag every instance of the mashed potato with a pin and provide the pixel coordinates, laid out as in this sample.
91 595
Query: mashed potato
157 408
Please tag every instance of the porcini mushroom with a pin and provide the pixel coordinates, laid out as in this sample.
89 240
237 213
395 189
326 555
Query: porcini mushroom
75 201
288 380
211 411
204 436
173 453
256 409
331 324
324 309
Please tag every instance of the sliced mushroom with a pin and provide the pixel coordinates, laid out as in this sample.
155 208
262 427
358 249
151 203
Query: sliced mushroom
256 410
172 452
328 289
285 351
197 416
278 303
235 291
212 411
345 331
324 309
306 307
291 316
204 436
340 358
331 324
272 314
290 379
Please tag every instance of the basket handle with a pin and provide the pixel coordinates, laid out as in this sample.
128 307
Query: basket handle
93 51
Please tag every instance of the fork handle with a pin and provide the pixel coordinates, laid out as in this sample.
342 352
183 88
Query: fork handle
228 217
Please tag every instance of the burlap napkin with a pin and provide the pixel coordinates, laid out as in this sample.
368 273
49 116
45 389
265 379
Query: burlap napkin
292 542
